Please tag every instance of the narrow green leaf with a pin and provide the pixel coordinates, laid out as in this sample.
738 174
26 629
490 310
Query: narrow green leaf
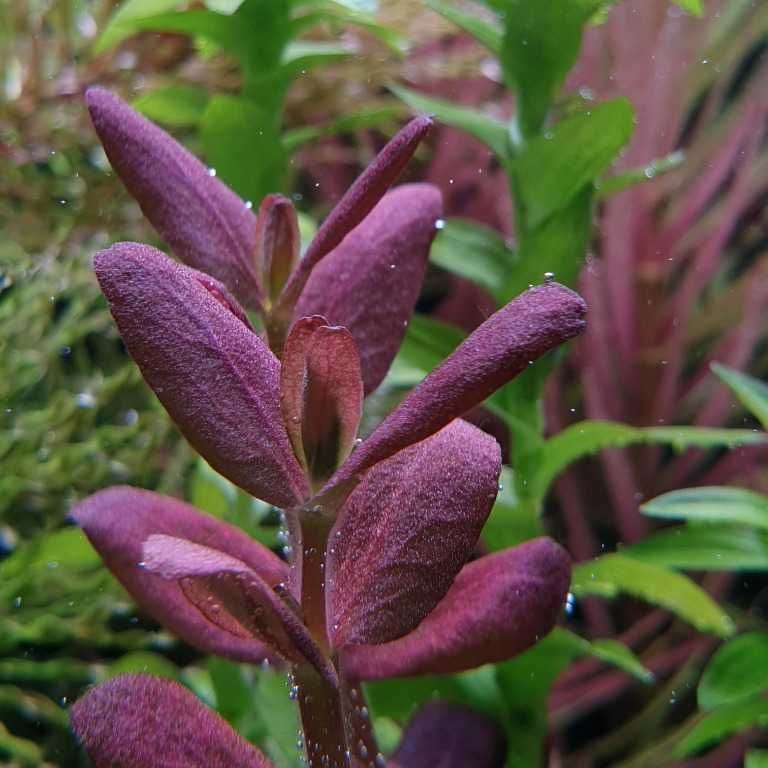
486 33
705 547
588 437
714 504
489 130
611 575
122 22
716 726
756 758
611 185
223 30
738 670
177 106
751 392
552 168
474 252
694 7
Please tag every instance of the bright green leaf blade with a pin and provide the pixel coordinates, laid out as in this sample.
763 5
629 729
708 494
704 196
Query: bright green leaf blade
612 575
540 44
694 7
588 437
714 504
427 343
717 725
705 547
610 185
484 32
756 758
474 252
122 23
489 130
178 106
552 168
242 143
738 670
143 662
751 392
225 31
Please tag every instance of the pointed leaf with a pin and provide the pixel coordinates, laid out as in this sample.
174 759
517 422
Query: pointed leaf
450 736
370 283
181 105
206 224
357 202
712 504
751 392
138 721
503 346
234 598
497 607
738 670
406 531
490 35
216 378
321 394
277 243
118 520
611 575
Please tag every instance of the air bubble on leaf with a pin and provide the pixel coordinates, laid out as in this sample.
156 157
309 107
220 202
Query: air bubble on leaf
363 750
248 204
380 761
211 171
649 172
440 224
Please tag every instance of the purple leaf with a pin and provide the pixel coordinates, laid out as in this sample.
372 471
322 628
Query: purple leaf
235 598
140 721
447 735
358 201
118 520
206 224
216 378
370 282
406 531
502 347
498 607
321 394
277 243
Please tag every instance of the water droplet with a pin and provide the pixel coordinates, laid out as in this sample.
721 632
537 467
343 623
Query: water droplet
211 171
17 601
649 172
549 276
248 204
440 224
363 750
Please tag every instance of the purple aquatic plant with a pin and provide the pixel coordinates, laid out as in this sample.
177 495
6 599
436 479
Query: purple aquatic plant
378 581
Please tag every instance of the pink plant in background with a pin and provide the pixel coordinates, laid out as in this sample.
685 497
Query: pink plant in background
381 531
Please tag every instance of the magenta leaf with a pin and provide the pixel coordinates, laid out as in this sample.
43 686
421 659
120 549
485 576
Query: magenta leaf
277 243
216 378
497 607
235 598
118 520
448 735
206 224
140 721
370 282
504 345
406 531
358 201
321 394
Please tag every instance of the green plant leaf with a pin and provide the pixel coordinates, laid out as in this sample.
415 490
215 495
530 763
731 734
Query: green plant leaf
143 662
694 7
243 144
540 44
122 23
552 168
486 33
426 344
588 437
610 185
738 670
178 106
705 547
756 758
717 725
711 504
612 575
474 252
751 392
489 130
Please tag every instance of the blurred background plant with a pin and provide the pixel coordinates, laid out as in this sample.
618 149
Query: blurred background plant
663 193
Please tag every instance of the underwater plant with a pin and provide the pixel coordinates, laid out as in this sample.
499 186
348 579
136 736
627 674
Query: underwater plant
379 580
